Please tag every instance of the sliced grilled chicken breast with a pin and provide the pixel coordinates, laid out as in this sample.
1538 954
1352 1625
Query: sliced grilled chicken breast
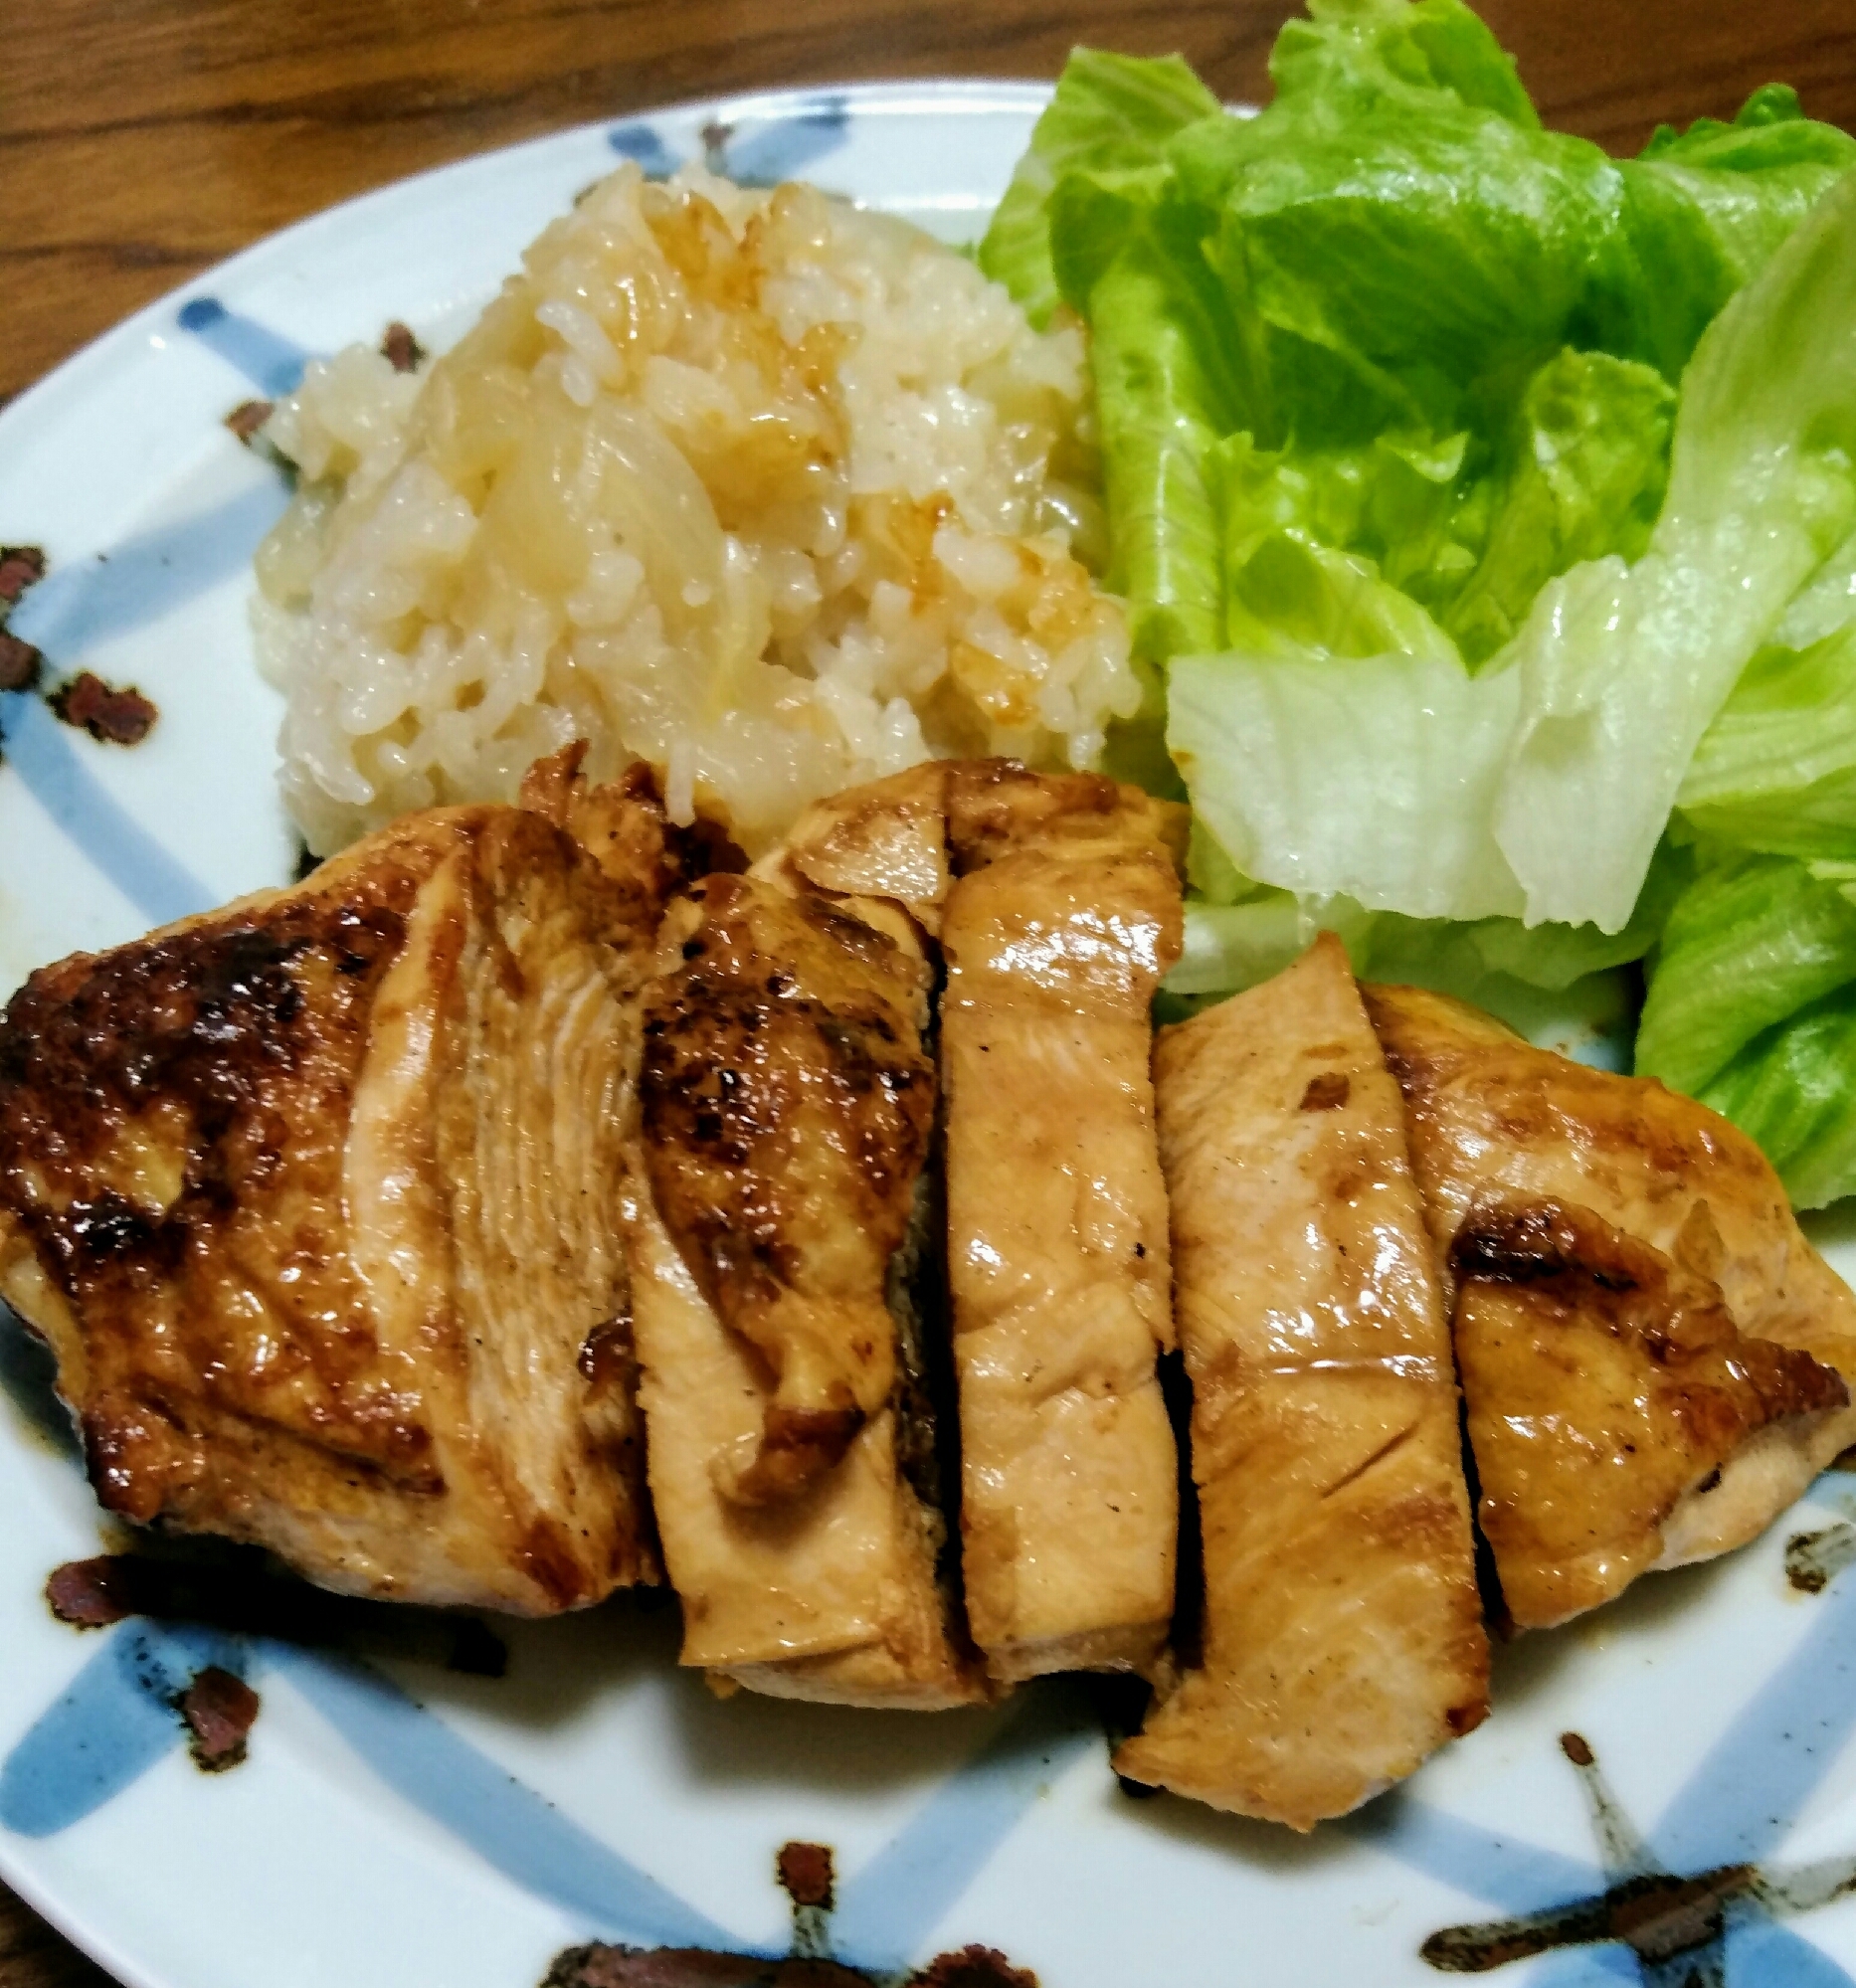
317 1200
1062 919
829 1594
886 838
1342 1636
1654 1360
787 1106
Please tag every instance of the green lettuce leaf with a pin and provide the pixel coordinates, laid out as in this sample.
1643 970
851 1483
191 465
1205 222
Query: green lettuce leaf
1468 527
1795 1093
1540 788
1374 778
1550 980
1750 1006
1622 668
1164 390
1378 275
1456 474
1751 940
1349 56
1582 475
1164 395
1705 209
1109 114
1776 770
1238 933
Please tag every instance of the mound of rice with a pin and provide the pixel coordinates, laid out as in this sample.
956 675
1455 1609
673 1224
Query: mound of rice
776 493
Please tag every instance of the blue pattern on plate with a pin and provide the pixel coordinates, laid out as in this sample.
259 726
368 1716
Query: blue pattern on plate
1770 1956
47 757
766 154
889 1908
116 1721
273 363
1500 1870
76 607
506 1823
1738 1805
113 1723
644 143
141 578
1592 1967
1750 1786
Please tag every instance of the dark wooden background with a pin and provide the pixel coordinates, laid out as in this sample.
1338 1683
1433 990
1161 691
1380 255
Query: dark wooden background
142 140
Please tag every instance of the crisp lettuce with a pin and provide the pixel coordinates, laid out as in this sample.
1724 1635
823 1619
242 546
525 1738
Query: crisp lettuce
1776 772
1707 208
1162 398
1536 979
1379 274
1750 1006
1623 669
1351 56
1540 788
1110 112
1583 474
1466 528
1752 940
1750 1002
1383 385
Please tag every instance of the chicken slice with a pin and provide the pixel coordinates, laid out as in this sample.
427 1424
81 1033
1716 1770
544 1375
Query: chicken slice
1056 901
1064 916
831 1594
1654 1360
318 1201
787 1106
887 840
1342 1630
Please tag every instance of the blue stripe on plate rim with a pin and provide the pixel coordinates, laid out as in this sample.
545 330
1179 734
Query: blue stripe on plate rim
116 1717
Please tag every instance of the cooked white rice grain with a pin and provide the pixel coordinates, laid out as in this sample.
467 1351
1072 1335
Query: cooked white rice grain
776 493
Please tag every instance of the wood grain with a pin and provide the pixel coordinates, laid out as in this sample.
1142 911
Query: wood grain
142 140
33 1956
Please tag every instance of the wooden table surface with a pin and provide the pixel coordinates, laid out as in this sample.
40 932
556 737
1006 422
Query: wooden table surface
142 140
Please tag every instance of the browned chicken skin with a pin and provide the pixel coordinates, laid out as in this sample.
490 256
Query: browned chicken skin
1342 1632
788 1108
1653 1359
317 1200
787 1105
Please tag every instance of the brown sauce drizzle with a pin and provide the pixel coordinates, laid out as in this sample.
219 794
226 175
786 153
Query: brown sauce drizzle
20 663
235 1590
117 717
805 1873
248 418
401 350
220 1711
1814 1559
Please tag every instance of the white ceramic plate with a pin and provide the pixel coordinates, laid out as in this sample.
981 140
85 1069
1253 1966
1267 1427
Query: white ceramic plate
397 1825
